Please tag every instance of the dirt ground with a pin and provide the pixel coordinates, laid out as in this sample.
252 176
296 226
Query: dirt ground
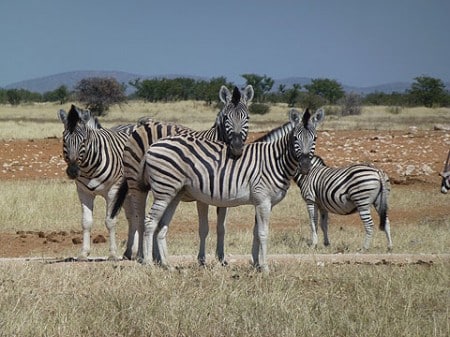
411 158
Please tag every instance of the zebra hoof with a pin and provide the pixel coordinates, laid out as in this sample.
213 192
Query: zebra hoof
82 257
113 258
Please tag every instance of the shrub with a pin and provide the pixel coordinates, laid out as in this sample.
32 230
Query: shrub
259 109
350 104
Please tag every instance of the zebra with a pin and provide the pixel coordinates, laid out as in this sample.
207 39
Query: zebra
231 127
94 161
185 166
445 174
345 191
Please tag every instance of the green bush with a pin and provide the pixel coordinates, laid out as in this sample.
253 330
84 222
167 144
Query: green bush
259 109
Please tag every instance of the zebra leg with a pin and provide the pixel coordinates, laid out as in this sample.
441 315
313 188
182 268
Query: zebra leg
260 236
364 213
220 249
312 211
163 227
135 203
203 230
324 226
87 207
110 224
387 230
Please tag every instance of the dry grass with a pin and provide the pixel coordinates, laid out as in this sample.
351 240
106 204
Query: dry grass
33 121
127 299
111 299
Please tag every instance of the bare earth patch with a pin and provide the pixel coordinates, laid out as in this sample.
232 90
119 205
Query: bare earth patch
411 159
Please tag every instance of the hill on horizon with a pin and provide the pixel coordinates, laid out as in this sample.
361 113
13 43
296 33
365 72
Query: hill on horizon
71 78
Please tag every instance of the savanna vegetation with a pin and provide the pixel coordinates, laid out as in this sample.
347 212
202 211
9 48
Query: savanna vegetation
295 299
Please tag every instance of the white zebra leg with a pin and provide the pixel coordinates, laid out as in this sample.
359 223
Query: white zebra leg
110 224
387 230
262 231
364 213
324 226
87 207
220 249
312 211
203 230
150 225
163 227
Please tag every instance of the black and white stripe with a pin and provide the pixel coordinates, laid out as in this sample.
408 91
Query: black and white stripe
94 160
445 174
195 168
344 191
230 127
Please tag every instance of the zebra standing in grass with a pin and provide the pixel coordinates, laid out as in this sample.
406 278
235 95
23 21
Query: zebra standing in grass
445 174
200 169
231 127
94 160
344 191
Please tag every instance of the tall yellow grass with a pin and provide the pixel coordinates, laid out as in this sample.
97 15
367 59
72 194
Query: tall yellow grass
39 120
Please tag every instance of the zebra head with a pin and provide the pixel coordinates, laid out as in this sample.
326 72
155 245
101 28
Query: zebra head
445 174
303 140
76 125
232 121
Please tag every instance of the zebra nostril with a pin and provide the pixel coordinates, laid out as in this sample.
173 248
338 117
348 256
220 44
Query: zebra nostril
73 171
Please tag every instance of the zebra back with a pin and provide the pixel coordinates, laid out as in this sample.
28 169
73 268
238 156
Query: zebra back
264 168
283 130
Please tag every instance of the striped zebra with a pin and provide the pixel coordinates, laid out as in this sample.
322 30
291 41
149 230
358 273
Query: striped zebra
445 174
185 166
94 160
344 191
230 127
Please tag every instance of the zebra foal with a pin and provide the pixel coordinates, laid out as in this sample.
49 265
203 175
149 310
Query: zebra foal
230 127
344 191
94 161
199 169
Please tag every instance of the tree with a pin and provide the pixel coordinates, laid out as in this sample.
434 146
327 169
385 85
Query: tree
428 91
293 94
60 94
13 96
100 93
331 90
261 85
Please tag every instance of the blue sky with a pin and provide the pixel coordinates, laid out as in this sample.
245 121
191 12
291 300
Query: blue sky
356 42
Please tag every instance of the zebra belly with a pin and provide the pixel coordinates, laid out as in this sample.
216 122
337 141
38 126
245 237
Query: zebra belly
238 198
341 206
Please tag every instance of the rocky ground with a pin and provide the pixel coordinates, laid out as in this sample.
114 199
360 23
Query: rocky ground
413 157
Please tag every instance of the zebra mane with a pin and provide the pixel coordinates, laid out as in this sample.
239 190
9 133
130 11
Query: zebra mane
72 118
305 118
236 98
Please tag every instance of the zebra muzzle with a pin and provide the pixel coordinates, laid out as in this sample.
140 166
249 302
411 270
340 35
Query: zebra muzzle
236 146
73 171
304 164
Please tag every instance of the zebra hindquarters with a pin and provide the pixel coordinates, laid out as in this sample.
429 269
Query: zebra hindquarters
381 205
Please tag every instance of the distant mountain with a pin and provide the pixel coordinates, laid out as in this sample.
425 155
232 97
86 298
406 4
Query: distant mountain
70 79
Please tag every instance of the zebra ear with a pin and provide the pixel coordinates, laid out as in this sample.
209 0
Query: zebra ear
224 94
248 93
294 116
62 115
318 116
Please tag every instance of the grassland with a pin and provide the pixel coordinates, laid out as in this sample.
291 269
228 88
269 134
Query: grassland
40 120
127 299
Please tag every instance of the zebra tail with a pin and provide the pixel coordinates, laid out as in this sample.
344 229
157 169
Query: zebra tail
120 198
383 202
